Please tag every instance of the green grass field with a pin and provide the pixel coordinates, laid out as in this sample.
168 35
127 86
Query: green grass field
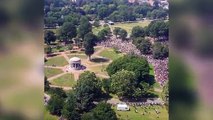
49 72
58 61
99 69
128 26
48 116
66 80
110 54
149 115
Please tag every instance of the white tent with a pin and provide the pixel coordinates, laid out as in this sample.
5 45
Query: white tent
122 107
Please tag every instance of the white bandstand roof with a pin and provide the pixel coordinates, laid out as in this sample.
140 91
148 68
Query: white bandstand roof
75 59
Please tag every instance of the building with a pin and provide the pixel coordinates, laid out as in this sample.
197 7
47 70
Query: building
122 107
75 63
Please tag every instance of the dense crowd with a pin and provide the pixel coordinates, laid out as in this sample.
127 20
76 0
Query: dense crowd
160 66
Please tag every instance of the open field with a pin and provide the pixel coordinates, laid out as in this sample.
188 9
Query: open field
58 61
150 113
110 54
49 72
128 26
66 80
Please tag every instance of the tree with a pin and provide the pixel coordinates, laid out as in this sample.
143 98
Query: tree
48 50
46 84
106 85
67 31
84 27
158 29
103 33
55 105
160 51
102 111
49 36
143 45
89 43
138 65
137 31
119 82
58 91
116 31
87 89
96 23
123 34
70 111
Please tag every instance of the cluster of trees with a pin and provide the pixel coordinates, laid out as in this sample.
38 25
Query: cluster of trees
122 33
102 35
129 71
56 12
158 30
83 33
77 103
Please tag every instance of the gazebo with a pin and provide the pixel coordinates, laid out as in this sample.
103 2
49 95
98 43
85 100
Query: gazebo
75 63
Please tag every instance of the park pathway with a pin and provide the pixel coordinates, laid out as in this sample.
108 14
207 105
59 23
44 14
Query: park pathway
56 76
65 56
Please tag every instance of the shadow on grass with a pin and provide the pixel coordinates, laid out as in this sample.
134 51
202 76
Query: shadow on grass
99 60
52 55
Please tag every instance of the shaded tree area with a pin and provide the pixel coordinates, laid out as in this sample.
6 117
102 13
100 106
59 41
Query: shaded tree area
57 12
160 51
120 32
49 37
138 65
102 111
142 44
67 32
158 29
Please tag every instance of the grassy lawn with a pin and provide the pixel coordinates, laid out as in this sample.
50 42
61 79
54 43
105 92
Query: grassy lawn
95 30
49 72
66 80
99 69
79 56
149 115
110 54
58 61
48 116
128 26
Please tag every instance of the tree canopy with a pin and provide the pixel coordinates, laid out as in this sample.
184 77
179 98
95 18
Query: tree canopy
84 27
138 65
87 89
138 31
49 36
144 45
160 51
123 83
102 111
89 42
67 31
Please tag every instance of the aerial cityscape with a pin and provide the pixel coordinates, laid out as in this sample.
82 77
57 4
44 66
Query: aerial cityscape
106 59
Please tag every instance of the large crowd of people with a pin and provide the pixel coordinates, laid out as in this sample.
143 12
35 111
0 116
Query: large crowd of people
160 66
